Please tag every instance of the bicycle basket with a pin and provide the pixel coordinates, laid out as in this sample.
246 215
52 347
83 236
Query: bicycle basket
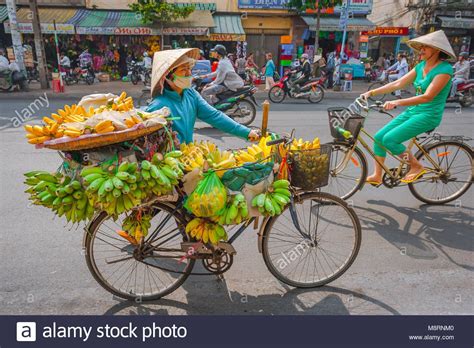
309 169
343 117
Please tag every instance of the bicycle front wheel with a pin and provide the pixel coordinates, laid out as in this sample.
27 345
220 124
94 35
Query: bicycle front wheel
348 170
374 86
454 179
323 247
127 271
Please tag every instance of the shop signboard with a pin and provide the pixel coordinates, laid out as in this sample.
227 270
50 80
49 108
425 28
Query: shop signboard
388 31
46 28
185 31
117 31
354 6
264 4
222 37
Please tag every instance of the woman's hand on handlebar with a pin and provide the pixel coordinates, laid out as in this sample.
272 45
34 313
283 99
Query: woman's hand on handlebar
366 95
254 135
389 105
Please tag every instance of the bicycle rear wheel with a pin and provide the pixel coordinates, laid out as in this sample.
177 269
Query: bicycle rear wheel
325 248
455 160
123 270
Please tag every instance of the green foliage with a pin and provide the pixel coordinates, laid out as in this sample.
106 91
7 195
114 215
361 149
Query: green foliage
303 5
153 11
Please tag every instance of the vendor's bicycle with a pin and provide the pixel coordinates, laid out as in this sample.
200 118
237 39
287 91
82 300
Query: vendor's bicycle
313 242
447 159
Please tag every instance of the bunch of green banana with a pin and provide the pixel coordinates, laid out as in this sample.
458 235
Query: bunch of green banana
274 200
43 187
202 229
63 195
137 225
235 211
162 173
116 189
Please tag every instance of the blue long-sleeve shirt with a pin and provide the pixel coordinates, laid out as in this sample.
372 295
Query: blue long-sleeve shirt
190 105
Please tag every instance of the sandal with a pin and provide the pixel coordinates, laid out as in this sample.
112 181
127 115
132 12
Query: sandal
414 177
373 183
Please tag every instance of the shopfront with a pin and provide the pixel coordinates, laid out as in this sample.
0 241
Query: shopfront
387 40
460 32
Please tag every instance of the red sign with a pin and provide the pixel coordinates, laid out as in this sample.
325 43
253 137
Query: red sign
387 31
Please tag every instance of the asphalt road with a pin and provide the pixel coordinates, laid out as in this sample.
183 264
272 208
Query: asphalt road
414 259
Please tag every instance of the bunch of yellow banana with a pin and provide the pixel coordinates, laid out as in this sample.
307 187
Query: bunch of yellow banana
256 152
122 103
105 126
207 147
202 229
192 156
39 134
220 160
304 145
72 113
71 131
132 121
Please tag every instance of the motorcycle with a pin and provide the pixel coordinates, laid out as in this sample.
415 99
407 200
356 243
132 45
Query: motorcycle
9 80
32 73
84 72
239 105
138 72
313 90
464 94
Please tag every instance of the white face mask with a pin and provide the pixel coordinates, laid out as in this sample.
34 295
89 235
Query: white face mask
182 82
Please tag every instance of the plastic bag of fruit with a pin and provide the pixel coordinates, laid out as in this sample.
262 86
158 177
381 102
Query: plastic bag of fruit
209 197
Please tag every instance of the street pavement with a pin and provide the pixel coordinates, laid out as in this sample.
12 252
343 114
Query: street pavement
414 258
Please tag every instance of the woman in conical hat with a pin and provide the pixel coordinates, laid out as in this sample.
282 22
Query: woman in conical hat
432 81
171 86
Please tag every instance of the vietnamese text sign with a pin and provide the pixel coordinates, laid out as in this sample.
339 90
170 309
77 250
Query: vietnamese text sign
264 4
387 31
46 28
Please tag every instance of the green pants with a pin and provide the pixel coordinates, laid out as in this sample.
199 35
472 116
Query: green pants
402 128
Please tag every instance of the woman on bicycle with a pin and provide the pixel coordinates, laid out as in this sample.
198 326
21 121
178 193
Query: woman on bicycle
432 81
171 87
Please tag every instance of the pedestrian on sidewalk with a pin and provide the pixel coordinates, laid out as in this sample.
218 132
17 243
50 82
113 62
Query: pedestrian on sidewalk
330 68
240 65
269 71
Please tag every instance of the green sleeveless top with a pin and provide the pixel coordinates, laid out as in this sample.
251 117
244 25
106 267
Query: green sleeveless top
434 108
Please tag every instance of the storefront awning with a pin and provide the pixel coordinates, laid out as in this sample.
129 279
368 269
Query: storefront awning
3 13
197 23
47 18
227 28
454 22
332 23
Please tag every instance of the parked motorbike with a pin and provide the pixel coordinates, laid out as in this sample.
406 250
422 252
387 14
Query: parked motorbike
138 72
464 94
313 90
32 73
239 105
11 80
83 73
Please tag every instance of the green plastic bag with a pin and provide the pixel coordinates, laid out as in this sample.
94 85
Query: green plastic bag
208 198
251 173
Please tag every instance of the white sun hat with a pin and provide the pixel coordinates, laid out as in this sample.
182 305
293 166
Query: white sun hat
164 61
436 39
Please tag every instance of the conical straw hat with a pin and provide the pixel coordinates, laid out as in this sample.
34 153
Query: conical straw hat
436 39
164 61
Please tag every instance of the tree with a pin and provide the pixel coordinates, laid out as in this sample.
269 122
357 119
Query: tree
160 11
318 5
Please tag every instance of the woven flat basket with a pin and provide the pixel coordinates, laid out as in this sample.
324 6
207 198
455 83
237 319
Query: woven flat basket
98 140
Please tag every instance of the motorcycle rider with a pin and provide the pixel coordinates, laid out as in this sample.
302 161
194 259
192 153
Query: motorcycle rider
65 62
305 68
461 72
226 77
397 71
4 63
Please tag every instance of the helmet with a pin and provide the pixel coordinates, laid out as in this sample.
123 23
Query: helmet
145 54
201 52
465 55
220 50
304 56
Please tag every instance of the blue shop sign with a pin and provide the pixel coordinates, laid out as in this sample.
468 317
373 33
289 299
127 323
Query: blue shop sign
269 4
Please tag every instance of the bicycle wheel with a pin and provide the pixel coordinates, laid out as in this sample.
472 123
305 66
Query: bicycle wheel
455 160
326 247
374 86
276 94
125 270
347 175
243 112
316 95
